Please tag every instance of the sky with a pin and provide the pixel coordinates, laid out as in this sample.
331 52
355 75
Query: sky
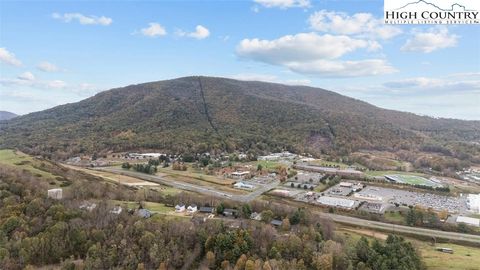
58 52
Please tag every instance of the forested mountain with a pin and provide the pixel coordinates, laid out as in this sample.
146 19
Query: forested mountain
206 114
4 115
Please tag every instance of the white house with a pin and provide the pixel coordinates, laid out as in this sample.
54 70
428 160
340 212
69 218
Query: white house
243 185
180 208
192 209
116 210
55 193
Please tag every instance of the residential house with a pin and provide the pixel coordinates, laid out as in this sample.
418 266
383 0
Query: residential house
179 208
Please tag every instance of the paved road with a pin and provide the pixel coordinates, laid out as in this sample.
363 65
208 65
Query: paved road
466 238
191 187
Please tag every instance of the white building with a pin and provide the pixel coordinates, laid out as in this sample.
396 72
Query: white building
337 202
192 209
243 185
469 221
346 184
473 202
239 174
116 210
368 197
55 193
180 208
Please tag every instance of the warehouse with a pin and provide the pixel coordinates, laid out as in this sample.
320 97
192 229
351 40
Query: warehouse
337 202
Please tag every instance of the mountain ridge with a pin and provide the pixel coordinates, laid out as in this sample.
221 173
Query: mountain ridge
5 115
222 114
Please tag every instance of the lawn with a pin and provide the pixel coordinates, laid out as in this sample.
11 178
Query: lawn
23 161
266 164
152 206
394 217
198 176
321 187
414 180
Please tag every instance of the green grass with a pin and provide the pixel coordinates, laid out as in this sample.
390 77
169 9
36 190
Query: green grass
414 180
152 206
321 187
197 174
269 165
467 258
394 217
22 161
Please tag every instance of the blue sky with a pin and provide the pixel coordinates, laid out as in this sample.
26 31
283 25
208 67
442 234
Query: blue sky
57 52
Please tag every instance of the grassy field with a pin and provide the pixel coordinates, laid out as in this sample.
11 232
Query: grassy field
198 176
465 258
321 187
394 217
23 161
414 180
269 165
195 181
152 206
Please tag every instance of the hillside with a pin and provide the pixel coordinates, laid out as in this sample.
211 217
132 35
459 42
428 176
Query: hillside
4 115
196 114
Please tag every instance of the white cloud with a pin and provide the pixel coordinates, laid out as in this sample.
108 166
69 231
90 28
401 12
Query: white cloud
56 84
300 47
27 79
451 83
283 4
432 39
364 24
26 76
9 58
311 53
83 19
47 67
201 32
154 30
327 68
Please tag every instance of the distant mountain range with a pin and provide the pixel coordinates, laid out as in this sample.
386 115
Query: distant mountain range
4 115
197 114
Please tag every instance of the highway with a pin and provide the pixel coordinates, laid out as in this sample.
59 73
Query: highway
352 221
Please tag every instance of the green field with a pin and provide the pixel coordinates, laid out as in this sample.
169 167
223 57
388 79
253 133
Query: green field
393 217
20 160
152 206
414 180
269 165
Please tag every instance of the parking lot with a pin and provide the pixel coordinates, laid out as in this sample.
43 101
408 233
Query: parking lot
378 199
410 198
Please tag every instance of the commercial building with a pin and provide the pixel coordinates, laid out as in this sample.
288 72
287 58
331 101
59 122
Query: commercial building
337 202
243 185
